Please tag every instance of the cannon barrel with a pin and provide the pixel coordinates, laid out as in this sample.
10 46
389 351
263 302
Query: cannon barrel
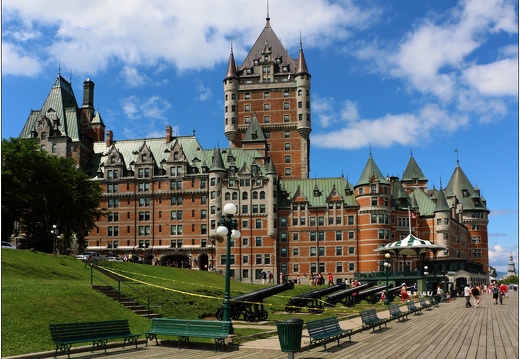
366 292
337 297
261 294
317 293
311 299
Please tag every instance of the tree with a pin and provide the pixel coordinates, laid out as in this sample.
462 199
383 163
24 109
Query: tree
510 279
41 190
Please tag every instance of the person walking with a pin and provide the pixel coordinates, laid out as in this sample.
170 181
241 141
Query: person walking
404 293
495 292
503 291
475 291
331 279
264 276
467 295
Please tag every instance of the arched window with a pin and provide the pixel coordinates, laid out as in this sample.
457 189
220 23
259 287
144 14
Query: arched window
244 195
255 195
227 196
262 195
54 148
112 159
234 196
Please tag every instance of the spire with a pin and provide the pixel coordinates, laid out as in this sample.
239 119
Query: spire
371 170
302 64
217 164
270 168
231 72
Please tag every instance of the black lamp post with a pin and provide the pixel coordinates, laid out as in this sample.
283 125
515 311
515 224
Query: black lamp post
387 266
54 231
228 228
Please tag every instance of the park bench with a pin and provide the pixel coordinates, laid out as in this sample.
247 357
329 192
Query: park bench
322 330
370 319
425 305
412 308
395 312
183 329
99 333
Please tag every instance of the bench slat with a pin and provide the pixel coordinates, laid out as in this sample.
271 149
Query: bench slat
325 329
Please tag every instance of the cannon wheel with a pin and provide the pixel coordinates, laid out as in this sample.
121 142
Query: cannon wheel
235 314
249 316
263 315
316 310
220 314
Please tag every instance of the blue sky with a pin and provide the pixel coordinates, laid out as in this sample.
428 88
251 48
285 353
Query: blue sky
388 77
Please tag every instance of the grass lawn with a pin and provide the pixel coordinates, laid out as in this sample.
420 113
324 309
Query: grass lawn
39 289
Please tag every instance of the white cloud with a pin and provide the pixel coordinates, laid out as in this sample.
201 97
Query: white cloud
16 62
495 79
132 77
204 92
149 108
136 32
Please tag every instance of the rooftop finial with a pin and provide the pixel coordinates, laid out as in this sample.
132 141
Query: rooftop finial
59 68
268 18
457 150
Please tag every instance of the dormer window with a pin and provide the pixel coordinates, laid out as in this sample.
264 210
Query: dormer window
143 157
112 159
43 136
176 156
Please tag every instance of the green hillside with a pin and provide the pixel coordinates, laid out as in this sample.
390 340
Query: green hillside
39 289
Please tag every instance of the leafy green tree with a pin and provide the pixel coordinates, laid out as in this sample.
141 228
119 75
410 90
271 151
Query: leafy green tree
510 279
41 190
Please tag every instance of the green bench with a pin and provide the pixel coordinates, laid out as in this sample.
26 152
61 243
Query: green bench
322 330
370 319
99 333
395 312
412 308
183 329
425 305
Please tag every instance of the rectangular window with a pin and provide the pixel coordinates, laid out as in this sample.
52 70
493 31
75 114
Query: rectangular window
350 220
313 251
283 236
351 266
339 235
258 241
351 250
295 251
144 216
258 223
113 217
339 267
295 237
283 252
144 202
339 251
258 259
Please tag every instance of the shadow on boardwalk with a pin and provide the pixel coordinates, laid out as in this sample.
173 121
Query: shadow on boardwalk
447 331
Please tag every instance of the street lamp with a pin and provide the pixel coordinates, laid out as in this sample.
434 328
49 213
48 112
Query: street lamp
387 266
426 274
54 231
228 228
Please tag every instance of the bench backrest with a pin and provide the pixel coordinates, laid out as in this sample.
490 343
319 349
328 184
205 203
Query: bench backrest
394 309
369 315
89 330
322 326
411 305
187 327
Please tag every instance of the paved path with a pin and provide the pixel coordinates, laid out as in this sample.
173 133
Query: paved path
447 331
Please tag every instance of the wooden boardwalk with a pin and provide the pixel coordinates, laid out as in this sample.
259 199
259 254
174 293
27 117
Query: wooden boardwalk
446 331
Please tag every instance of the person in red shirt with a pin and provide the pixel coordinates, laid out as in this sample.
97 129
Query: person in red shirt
503 291
331 279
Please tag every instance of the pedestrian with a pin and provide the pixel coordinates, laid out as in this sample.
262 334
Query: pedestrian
311 280
270 277
298 280
503 290
281 278
404 293
495 292
440 292
264 276
383 296
475 291
467 295
331 279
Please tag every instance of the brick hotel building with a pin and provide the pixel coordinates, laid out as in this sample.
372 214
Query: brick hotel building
164 196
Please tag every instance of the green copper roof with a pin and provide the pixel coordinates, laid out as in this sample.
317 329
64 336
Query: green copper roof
326 186
61 102
254 132
413 171
442 204
460 186
370 171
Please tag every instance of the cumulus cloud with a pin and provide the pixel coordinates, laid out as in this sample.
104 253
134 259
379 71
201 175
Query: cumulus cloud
204 92
15 61
136 32
132 77
495 79
149 108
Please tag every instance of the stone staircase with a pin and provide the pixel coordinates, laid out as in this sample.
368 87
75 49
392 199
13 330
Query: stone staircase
129 303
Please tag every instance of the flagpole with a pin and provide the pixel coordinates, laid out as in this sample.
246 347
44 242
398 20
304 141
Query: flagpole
409 220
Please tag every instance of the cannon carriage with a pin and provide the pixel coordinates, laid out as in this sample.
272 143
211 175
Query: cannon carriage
347 296
311 300
251 305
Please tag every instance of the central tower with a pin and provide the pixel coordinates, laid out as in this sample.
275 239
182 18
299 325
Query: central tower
267 104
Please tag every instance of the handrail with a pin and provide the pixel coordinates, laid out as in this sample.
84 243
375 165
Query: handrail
119 291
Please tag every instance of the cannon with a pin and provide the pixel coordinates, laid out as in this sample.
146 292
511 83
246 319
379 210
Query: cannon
373 295
250 304
311 300
346 296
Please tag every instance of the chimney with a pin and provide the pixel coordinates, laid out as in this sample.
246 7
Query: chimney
168 134
88 94
110 138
